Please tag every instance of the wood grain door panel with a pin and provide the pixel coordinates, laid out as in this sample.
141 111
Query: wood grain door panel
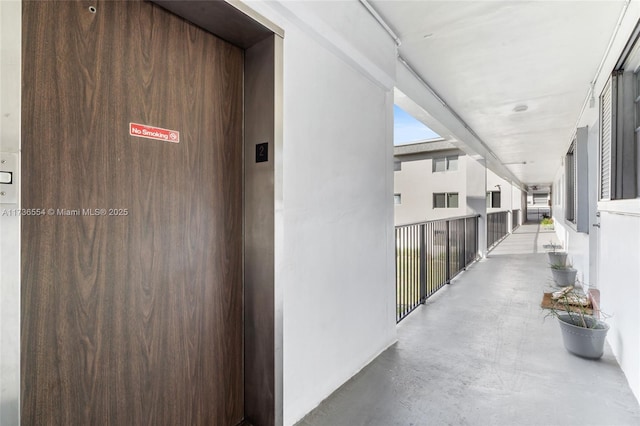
130 318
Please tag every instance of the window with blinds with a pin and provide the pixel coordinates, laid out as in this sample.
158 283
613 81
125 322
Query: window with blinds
619 153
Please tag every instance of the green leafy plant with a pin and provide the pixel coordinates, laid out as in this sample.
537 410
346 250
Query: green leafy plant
547 221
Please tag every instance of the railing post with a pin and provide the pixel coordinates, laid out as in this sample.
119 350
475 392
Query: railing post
448 256
489 230
506 225
398 251
423 263
477 234
464 244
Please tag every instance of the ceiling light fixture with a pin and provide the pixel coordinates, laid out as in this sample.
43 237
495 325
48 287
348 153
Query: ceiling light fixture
521 108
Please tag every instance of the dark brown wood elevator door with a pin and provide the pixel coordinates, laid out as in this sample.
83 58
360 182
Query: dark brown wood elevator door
132 269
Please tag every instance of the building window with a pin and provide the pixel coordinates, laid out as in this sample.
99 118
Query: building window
619 158
445 164
397 199
493 199
452 200
540 198
443 200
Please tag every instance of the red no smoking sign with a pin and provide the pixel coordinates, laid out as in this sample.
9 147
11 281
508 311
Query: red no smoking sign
150 132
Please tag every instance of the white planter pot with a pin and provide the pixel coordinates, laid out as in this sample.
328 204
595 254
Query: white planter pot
557 257
564 277
580 341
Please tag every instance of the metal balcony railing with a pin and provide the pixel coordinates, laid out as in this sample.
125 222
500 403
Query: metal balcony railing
515 219
497 227
429 255
537 213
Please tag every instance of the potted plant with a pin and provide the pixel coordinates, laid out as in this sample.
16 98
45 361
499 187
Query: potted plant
582 334
547 223
563 274
556 257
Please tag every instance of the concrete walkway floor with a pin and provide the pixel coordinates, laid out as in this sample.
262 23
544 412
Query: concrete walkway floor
480 352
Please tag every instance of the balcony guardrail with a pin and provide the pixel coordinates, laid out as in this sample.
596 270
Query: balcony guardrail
428 255
497 227
515 219
537 213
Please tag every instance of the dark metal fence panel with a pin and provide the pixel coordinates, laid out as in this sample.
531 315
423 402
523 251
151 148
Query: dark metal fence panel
471 239
428 255
436 255
456 247
536 214
407 268
497 227
515 219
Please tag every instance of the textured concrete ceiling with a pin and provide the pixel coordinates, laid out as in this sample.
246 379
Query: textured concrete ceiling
485 58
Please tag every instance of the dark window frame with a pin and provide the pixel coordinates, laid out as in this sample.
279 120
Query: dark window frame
446 196
494 199
447 163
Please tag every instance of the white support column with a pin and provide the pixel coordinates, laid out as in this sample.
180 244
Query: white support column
477 198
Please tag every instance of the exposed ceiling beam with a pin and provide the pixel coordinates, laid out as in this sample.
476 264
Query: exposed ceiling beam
410 82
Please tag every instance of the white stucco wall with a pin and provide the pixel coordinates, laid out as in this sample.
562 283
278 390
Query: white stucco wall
10 91
619 283
339 298
477 198
336 265
505 191
416 182
516 198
